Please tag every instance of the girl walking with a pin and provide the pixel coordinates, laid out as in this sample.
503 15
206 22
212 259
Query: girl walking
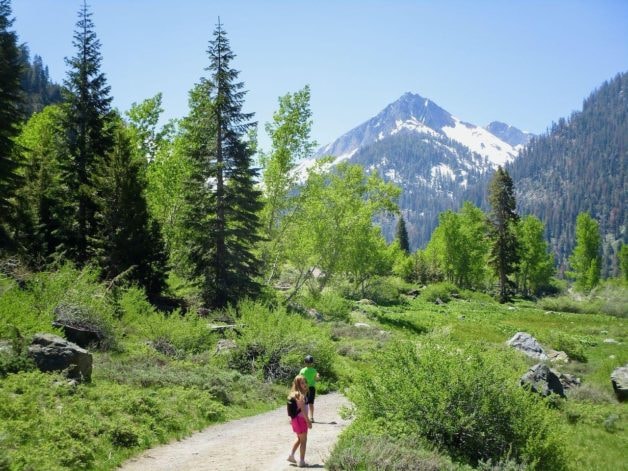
300 422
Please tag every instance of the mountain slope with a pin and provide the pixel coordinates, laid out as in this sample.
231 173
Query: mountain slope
580 165
414 113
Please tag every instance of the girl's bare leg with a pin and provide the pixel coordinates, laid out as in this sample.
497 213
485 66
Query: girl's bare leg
303 445
295 446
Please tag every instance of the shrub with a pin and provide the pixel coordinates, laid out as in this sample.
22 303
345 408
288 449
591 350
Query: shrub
442 291
329 303
383 453
273 344
572 346
460 400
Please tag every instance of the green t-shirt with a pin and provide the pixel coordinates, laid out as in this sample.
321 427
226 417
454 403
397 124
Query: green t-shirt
310 375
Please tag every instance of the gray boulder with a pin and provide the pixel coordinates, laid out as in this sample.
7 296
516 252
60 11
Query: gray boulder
619 378
543 380
527 344
53 353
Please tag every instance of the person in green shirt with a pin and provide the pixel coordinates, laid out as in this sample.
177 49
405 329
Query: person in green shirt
311 376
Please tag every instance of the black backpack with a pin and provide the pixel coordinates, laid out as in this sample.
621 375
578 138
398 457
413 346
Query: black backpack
293 409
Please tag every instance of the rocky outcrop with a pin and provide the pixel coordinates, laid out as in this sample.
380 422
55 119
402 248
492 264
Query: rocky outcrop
619 379
53 353
542 380
527 344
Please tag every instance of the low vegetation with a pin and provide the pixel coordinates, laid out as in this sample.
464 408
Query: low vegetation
444 394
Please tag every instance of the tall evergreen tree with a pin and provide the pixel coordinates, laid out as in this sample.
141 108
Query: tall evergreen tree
503 218
42 205
10 116
223 220
586 259
89 138
402 235
126 240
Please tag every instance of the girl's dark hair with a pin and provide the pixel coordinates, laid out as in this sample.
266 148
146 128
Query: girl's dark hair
309 359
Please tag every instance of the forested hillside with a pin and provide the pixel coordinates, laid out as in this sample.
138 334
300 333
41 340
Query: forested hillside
580 166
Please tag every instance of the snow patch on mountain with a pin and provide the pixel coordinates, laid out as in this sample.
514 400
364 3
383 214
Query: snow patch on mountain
481 141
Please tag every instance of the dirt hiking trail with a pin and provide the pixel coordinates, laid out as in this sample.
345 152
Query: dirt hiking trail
258 443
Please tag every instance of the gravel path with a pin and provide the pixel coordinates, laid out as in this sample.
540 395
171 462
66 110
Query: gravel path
258 443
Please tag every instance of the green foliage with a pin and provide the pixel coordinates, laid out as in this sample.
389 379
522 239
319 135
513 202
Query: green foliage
223 201
42 204
88 427
536 265
401 235
586 258
459 247
381 452
463 399
10 116
273 343
442 291
127 242
572 346
504 253
329 303
333 229
31 309
87 106
290 136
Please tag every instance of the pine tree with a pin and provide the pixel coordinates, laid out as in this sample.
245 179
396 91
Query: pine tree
10 116
402 235
503 218
42 198
87 112
127 241
224 204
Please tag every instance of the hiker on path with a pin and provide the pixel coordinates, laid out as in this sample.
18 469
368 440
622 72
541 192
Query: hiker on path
311 376
300 422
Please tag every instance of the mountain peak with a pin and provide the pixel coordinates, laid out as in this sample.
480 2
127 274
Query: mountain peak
413 113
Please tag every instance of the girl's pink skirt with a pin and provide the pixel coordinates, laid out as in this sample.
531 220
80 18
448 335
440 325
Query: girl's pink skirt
299 424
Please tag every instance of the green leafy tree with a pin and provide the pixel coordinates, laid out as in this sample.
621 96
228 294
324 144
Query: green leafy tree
87 103
223 219
401 235
290 139
146 135
623 260
460 247
168 177
10 116
503 218
127 240
536 264
333 229
586 258
42 205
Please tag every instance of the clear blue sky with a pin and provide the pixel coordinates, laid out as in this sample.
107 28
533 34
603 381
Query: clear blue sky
526 63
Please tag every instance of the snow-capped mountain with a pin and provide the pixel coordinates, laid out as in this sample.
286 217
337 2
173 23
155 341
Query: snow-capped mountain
431 154
414 113
510 134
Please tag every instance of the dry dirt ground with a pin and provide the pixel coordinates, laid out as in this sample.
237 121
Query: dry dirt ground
258 443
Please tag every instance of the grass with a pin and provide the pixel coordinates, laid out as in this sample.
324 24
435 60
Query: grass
163 379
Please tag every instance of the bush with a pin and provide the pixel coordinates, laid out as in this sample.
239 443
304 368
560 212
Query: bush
569 344
461 401
442 291
330 304
273 343
383 453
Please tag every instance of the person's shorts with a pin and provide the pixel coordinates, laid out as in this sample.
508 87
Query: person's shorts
299 424
311 395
